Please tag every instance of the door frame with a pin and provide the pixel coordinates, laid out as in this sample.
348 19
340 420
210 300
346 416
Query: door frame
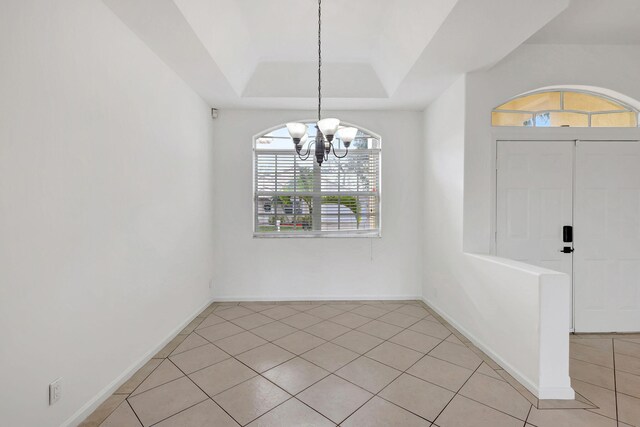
533 134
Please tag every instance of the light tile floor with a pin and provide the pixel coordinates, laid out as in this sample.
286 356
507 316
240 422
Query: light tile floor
359 364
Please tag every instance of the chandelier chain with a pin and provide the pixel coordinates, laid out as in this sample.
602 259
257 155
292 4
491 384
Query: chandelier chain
325 132
319 58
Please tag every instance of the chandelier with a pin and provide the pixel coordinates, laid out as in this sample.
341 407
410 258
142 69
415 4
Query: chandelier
326 129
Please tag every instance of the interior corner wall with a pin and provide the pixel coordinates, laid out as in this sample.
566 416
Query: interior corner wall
106 198
530 67
494 302
459 152
443 174
318 268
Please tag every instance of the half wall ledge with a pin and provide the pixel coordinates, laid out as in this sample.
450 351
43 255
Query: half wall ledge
517 316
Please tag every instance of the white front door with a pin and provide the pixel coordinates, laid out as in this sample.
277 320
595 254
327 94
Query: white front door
541 188
607 237
535 202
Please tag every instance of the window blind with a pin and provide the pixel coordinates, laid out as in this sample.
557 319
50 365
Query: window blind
300 197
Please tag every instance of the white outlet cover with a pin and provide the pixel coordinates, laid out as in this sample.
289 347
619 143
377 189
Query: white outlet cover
55 391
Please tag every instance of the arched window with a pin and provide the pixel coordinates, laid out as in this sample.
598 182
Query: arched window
563 108
294 197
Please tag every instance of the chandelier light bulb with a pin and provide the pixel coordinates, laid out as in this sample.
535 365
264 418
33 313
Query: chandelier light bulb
347 135
297 131
328 127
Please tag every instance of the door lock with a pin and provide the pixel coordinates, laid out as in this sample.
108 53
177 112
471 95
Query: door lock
566 250
567 234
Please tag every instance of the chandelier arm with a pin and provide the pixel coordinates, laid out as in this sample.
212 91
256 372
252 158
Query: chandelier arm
333 147
308 153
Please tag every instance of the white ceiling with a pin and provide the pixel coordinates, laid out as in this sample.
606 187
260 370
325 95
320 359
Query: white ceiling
294 22
377 54
594 22
371 44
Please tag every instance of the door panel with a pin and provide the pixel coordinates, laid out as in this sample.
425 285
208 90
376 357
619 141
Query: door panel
534 202
607 237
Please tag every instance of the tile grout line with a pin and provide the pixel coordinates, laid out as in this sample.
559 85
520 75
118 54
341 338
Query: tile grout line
295 355
200 388
143 380
109 414
351 329
405 371
591 363
600 387
159 385
293 396
590 383
442 340
528 414
454 396
322 319
242 382
615 390
456 393
394 379
305 404
627 394
134 412
334 372
179 412
491 407
330 373
184 376
402 372
615 384
515 389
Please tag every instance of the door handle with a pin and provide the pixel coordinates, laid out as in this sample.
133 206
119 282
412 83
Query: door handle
567 234
566 250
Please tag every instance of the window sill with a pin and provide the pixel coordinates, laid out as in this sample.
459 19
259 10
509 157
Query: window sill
281 235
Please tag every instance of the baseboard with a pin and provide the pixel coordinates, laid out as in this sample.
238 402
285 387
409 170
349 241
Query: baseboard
557 393
320 298
102 395
540 392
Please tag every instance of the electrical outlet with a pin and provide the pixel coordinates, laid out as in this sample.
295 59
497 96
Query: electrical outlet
55 391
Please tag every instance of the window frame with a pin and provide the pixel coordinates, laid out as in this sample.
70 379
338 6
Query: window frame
375 233
627 109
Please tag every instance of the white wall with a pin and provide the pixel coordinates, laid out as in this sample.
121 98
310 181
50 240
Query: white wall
510 310
443 171
108 208
294 268
451 284
612 68
106 197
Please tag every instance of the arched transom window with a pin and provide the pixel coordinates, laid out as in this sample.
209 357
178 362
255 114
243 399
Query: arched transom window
294 197
561 108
